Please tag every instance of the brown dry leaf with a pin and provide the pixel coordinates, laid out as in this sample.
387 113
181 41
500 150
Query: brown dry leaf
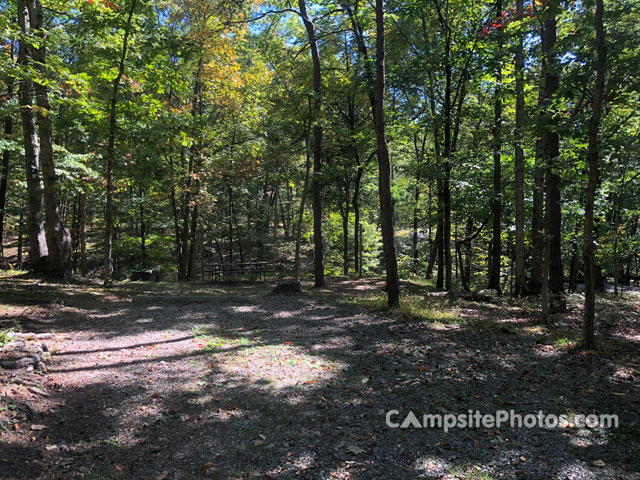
163 476
598 463
207 465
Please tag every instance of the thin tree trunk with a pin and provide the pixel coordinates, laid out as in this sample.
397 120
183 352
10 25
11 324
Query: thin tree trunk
20 228
440 239
345 233
316 185
357 259
4 172
193 248
82 233
110 157
143 230
496 204
537 222
230 191
296 267
592 161
384 167
519 160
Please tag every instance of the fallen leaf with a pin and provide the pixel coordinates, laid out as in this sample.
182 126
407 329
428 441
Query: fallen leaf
598 463
365 380
38 427
163 476
355 450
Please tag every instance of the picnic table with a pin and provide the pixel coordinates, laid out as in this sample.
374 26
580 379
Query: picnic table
219 272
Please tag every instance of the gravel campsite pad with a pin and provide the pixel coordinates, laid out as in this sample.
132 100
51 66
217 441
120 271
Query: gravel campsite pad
176 382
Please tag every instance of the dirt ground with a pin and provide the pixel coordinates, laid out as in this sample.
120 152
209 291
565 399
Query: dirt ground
158 381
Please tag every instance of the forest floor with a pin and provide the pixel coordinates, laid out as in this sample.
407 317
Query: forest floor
162 381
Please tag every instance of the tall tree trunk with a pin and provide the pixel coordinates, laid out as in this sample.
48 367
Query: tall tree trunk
58 239
110 157
143 230
345 232
316 184
230 191
592 161
537 221
416 196
35 222
384 167
416 199
184 229
20 228
552 152
440 239
82 233
296 267
357 259
496 204
4 172
519 288
193 247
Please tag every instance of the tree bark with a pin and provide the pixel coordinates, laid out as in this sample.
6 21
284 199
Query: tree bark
552 152
357 259
384 167
35 222
82 233
496 204
296 268
537 222
110 157
345 232
316 183
4 172
519 160
58 239
592 162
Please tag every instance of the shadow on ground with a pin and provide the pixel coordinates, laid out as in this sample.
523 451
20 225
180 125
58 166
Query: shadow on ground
249 385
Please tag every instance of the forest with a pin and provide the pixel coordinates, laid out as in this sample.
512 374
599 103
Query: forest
426 160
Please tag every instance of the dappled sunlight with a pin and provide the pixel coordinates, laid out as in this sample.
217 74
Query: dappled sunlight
575 470
280 366
431 467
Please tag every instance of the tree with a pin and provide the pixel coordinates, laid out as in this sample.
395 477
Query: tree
110 155
519 286
35 224
384 166
592 162
496 203
316 181
58 238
